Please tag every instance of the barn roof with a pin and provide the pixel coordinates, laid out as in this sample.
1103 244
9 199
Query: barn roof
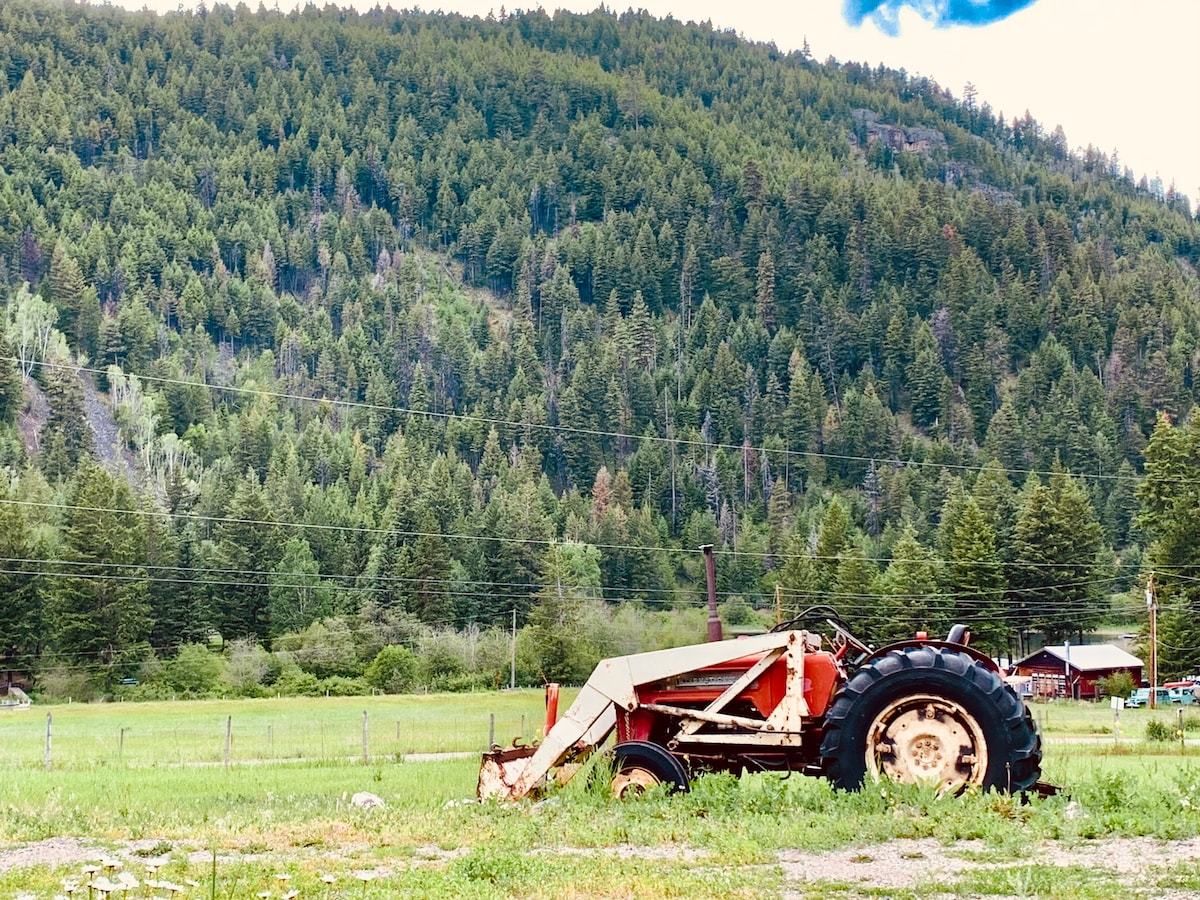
1087 657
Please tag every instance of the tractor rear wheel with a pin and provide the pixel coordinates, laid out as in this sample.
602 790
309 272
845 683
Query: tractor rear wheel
640 765
931 715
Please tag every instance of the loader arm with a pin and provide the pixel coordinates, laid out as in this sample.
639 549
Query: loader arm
515 772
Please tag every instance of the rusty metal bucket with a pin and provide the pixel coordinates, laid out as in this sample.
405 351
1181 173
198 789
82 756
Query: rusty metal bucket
500 769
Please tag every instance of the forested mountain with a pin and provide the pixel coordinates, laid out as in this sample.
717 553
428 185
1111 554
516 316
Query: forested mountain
411 321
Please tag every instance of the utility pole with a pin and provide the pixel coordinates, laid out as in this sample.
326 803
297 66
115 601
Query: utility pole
778 604
1067 671
710 570
512 678
1152 608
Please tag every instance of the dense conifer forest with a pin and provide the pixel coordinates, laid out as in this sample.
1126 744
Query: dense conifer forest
351 343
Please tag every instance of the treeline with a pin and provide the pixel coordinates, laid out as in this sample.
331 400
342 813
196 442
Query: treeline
455 317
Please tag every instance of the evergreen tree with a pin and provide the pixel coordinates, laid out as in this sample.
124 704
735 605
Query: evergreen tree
1169 497
974 577
23 585
910 594
568 615
99 617
297 595
248 548
67 438
1052 573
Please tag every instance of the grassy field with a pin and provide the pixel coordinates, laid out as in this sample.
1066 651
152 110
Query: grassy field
140 734
278 827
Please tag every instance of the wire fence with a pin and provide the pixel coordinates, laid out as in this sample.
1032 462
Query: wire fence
333 730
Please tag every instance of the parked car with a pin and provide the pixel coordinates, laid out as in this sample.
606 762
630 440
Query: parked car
1141 697
1182 695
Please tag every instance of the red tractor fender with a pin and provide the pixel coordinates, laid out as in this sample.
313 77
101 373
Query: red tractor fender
948 645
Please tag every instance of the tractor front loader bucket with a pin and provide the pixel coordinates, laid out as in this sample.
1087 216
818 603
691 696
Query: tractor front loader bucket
514 772
511 773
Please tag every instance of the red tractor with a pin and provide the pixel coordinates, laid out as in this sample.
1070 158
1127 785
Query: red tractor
928 711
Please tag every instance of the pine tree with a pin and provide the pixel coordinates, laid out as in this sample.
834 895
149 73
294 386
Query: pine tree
67 438
99 615
1169 497
22 585
248 544
911 598
1052 573
974 577
568 613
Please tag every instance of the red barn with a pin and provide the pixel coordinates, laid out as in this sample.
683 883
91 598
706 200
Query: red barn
1072 671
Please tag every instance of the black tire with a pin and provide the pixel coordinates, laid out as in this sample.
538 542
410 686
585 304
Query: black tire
931 713
639 765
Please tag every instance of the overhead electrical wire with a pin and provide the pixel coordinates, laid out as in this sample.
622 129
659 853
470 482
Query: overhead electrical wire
594 432
545 542
491 586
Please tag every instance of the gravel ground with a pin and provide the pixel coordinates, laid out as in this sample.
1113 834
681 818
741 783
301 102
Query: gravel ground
898 864
912 863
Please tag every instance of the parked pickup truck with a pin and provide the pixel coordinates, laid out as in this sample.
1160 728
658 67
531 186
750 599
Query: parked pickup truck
1141 697
1184 695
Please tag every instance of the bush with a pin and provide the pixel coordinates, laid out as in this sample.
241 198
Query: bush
393 670
1158 730
442 656
59 684
195 671
248 668
337 686
1119 684
145 692
295 682
737 612
327 648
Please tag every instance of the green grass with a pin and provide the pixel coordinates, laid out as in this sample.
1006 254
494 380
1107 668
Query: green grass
1072 718
143 734
292 818
331 728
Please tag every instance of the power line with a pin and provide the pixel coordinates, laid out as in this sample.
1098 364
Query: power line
544 542
705 445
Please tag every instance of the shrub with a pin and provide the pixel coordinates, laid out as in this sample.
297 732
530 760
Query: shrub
393 670
327 648
248 667
1158 730
59 684
337 686
442 655
295 682
145 692
1119 684
195 671
737 612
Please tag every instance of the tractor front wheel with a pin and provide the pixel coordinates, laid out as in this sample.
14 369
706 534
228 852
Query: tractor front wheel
640 765
930 715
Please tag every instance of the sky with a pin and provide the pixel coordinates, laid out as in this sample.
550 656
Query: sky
1119 75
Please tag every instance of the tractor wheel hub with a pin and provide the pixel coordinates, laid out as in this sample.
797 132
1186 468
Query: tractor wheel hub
927 739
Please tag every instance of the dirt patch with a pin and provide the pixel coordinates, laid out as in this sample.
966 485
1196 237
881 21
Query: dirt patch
913 863
66 851
33 417
900 864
